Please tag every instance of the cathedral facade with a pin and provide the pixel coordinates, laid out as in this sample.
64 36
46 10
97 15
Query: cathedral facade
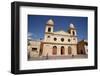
59 43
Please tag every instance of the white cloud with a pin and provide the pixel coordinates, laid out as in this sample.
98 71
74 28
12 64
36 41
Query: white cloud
29 36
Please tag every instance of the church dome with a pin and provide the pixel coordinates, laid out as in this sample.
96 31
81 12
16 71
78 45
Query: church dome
50 22
71 25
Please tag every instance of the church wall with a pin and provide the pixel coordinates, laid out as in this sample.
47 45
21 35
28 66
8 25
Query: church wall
34 45
73 40
48 50
74 48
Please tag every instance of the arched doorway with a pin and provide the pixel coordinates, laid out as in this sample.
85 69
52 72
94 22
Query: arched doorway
62 50
54 52
69 50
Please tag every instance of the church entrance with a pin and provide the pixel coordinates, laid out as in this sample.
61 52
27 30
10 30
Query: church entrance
54 50
62 50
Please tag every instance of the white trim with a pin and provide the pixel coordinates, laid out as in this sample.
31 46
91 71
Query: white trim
25 65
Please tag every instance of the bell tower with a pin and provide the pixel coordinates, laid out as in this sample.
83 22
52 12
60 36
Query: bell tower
49 30
49 26
72 30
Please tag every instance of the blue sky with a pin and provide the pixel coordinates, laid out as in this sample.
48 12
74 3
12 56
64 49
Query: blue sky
37 23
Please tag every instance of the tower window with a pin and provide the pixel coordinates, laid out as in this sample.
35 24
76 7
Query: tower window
62 39
73 33
49 29
55 39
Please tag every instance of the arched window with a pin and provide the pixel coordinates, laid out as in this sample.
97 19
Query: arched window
62 50
69 50
73 33
54 52
49 29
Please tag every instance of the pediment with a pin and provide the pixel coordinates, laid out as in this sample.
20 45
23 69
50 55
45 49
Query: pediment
61 32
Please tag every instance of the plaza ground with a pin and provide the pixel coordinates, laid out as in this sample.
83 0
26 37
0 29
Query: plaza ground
58 57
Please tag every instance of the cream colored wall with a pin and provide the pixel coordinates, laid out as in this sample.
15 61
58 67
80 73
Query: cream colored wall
46 39
52 36
34 44
74 49
47 50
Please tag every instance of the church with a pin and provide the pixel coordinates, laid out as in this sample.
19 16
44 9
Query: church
59 43
55 43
